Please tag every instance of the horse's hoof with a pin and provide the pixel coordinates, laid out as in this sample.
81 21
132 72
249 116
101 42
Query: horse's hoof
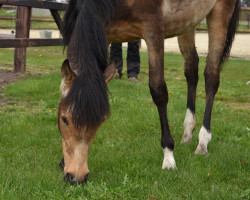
169 165
168 161
201 149
186 138
189 126
205 137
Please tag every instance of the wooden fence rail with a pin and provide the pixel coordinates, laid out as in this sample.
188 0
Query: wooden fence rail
35 4
37 19
28 42
23 19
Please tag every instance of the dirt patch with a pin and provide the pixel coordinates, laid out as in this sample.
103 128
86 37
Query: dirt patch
240 106
7 77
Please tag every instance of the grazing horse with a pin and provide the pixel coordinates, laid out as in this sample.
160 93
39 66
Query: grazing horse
90 25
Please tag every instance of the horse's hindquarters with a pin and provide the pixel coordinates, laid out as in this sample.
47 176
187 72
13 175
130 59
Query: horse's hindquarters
184 16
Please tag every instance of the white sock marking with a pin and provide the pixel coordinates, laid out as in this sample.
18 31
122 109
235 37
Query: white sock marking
204 138
168 161
189 125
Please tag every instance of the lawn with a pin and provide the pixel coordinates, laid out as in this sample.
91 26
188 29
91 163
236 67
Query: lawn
125 158
34 24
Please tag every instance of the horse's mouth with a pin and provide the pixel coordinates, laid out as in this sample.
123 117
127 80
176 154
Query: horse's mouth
74 181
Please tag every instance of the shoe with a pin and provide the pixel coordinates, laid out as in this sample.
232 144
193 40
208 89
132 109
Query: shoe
132 79
117 75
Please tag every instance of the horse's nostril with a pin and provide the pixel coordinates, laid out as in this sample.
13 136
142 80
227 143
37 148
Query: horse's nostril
86 177
74 181
68 177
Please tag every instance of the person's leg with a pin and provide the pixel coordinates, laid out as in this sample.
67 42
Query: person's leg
133 59
116 53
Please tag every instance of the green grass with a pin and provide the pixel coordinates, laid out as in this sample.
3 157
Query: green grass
125 158
34 24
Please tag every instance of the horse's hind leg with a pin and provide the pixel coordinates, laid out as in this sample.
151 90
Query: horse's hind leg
191 59
218 22
154 38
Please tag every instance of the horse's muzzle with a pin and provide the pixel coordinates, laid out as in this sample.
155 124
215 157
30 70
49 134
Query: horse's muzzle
74 181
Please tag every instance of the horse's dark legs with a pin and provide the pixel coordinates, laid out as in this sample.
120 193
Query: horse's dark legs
189 53
217 29
159 93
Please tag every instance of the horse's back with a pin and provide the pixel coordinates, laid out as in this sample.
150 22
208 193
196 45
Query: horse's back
133 17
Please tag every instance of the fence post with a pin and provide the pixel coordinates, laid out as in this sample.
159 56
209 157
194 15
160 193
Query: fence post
22 31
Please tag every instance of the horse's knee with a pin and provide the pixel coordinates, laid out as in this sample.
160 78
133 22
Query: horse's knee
191 68
167 142
159 94
212 81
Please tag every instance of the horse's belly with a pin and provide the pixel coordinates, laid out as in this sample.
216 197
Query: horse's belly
172 31
123 32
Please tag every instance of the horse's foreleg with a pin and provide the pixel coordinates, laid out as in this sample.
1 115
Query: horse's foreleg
159 93
191 59
218 21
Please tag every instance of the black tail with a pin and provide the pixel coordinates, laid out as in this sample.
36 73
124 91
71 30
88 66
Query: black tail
88 96
232 28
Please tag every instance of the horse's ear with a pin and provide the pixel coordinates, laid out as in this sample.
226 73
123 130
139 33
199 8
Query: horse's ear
68 77
110 71
67 74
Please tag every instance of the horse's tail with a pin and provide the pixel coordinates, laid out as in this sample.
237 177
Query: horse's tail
88 95
232 28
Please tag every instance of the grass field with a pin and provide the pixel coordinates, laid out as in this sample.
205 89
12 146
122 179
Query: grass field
125 158
34 24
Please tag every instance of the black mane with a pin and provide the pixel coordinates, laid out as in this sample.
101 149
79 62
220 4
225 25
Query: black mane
84 23
69 19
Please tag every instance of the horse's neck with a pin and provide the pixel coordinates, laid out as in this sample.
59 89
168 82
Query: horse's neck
180 14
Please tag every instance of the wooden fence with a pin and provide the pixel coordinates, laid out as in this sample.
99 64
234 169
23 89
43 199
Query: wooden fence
245 16
23 20
37 19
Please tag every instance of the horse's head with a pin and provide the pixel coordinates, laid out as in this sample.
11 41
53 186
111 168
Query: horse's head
76 141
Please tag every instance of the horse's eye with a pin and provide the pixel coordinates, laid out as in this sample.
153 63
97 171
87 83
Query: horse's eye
65 121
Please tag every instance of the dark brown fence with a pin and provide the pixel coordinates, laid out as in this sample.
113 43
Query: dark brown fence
37 19
23 20
245 16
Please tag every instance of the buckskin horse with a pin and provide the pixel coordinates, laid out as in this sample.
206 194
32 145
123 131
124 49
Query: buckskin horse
90 26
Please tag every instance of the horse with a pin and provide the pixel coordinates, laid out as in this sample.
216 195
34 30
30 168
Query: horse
91 25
